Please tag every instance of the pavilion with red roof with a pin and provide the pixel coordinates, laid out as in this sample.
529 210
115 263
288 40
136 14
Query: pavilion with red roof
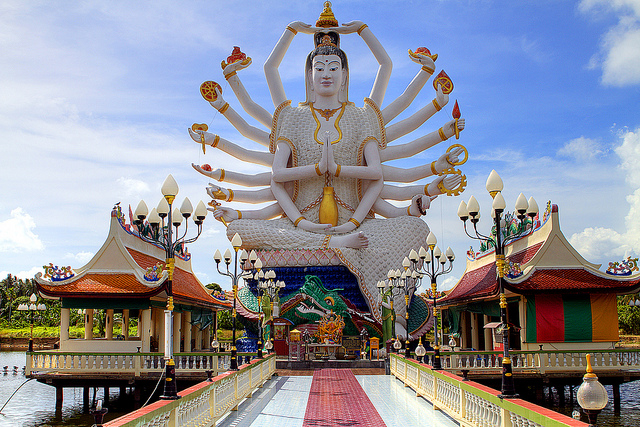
127 277
556 299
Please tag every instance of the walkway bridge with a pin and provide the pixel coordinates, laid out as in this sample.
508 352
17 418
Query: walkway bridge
413 395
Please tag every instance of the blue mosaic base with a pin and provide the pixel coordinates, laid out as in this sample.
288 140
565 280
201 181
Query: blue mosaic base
332 277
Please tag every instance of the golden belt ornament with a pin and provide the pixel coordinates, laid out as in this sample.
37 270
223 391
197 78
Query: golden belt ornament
453 171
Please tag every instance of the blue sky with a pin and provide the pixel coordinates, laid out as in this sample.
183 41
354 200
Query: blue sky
96 97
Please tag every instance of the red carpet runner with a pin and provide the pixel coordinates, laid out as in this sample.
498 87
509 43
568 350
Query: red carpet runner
337 399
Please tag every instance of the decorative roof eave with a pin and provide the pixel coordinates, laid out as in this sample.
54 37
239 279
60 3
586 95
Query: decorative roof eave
51 293
594 281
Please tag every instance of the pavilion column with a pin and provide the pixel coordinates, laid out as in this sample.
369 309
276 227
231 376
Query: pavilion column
207 338
108 328
199 339
177 331
88 324
488 336
125 323
464 331
475 332
65 314
159 319
187 331
194 337
144 330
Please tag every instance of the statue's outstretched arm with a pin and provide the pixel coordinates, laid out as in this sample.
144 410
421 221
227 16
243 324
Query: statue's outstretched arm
248 131
412 148
416 120
230 214
445 161
392 192
280 160
243 196
392 110
419 205
263 158
384 70
238 178
248 104
272 63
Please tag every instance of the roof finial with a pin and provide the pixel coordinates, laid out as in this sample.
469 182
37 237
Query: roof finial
327 19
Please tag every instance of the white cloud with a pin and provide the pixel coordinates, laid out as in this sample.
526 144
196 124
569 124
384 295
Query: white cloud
606 243
81 258
16 233
620 46
582 149
133 188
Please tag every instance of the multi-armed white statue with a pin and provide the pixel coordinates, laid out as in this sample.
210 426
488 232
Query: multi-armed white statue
328 179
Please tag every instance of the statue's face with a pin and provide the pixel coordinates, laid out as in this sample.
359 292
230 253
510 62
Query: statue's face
327 75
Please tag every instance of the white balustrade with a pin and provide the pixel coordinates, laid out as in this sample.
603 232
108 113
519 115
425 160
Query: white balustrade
472 405
124 363
205 403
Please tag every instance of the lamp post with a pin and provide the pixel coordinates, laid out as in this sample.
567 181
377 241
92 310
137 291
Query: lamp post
31 308
435 262
272 288
592 396
236 242
167 236
261 287
408 281
520 225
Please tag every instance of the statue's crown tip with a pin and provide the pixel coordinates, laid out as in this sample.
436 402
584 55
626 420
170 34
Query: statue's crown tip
327 19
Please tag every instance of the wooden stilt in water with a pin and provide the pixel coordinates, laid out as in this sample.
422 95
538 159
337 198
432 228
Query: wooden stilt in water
59 396
137 393
85 399
560 389
616 398
106 396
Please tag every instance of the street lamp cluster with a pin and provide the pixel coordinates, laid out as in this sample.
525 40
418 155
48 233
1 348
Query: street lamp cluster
163 231
236 242
433 265
266 285
32 308
526 211
429 262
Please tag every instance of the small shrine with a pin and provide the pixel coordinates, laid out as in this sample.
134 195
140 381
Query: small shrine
555 298
127 277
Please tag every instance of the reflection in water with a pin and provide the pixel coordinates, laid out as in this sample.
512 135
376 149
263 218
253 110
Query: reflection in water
35 403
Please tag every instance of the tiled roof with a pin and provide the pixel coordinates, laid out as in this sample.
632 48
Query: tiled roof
482 282
120 284
549 280
185 285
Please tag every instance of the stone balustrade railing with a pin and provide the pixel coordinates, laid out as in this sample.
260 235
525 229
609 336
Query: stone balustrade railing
204 403
543 361
136 363
470 403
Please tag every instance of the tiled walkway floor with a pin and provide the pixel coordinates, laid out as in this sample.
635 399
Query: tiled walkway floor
282 402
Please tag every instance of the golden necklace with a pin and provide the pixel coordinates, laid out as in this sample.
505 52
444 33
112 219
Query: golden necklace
327 113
